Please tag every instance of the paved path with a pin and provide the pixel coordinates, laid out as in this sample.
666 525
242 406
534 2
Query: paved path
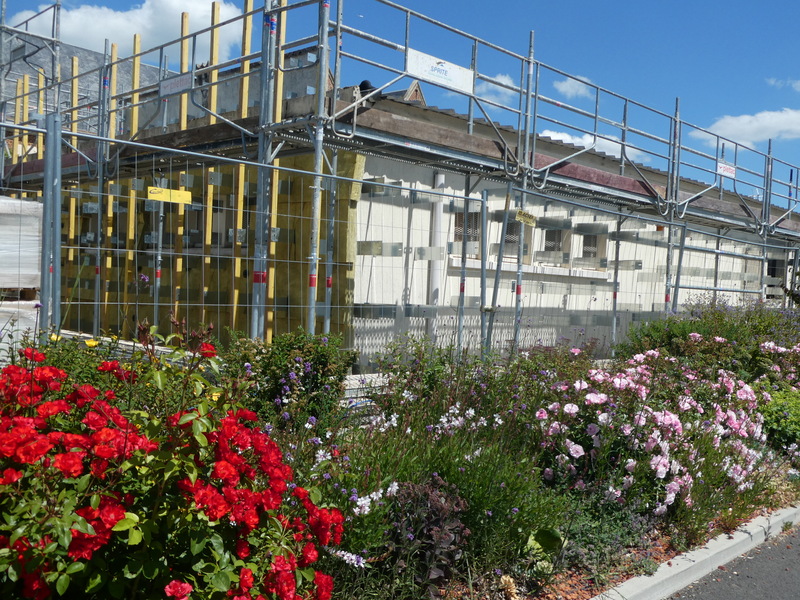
770 571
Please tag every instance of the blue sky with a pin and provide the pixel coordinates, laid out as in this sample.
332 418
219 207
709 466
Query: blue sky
733 63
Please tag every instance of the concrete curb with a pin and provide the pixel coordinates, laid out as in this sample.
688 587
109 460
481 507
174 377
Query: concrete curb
691 566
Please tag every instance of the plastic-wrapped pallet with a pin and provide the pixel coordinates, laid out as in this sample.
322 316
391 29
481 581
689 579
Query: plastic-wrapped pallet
20 243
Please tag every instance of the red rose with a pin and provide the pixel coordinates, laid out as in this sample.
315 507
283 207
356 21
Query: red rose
179 590
54 407
32 354
308 555
10 476
242 548
108 366
83 394
207 350
324 584
69 463
33 450
245 579
226 472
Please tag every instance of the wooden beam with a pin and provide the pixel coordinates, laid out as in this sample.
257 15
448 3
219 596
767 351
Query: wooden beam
213 60
184 68
244 82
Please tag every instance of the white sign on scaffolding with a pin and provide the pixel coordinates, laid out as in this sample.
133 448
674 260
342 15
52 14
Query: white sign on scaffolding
726 170
175 85
439 71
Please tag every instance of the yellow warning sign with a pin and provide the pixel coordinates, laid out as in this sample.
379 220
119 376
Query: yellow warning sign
166 195
526 218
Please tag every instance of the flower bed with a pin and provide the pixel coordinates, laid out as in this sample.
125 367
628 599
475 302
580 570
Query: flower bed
189 475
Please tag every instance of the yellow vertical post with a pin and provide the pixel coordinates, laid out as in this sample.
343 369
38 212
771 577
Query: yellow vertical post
208 224
40 93
106 232
178 278
184 101
73 98
136 70
72 268
247 34
130 276
112 92
71 230
213 60
25 115
238 281
16 140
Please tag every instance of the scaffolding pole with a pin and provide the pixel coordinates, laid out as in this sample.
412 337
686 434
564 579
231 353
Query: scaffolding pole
319 133
102 130
463 275
329 244
263 216
528 163
615 292
485 334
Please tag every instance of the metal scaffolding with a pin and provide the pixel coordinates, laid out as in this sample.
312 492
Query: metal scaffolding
211 189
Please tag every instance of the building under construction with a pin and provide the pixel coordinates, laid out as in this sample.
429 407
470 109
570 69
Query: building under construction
313 181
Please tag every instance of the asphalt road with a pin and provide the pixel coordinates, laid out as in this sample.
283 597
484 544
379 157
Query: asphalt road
770 571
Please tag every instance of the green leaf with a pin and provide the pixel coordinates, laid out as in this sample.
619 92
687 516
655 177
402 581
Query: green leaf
75 567
159 379
12 573
172 466
94 501
150 569
315 495
201 439
132 569
95 582
549 539
307 573
190 416
221 581
83 526
135 536
62 584
196 544
123 525
217 544
83 483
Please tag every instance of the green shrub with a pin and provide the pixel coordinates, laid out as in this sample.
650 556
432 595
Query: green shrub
297 376
782 419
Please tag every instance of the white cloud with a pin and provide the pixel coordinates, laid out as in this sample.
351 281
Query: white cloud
782 83
495 93
158 22
575 87
749 130
609 146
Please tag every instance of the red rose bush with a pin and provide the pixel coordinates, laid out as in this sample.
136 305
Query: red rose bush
102 499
